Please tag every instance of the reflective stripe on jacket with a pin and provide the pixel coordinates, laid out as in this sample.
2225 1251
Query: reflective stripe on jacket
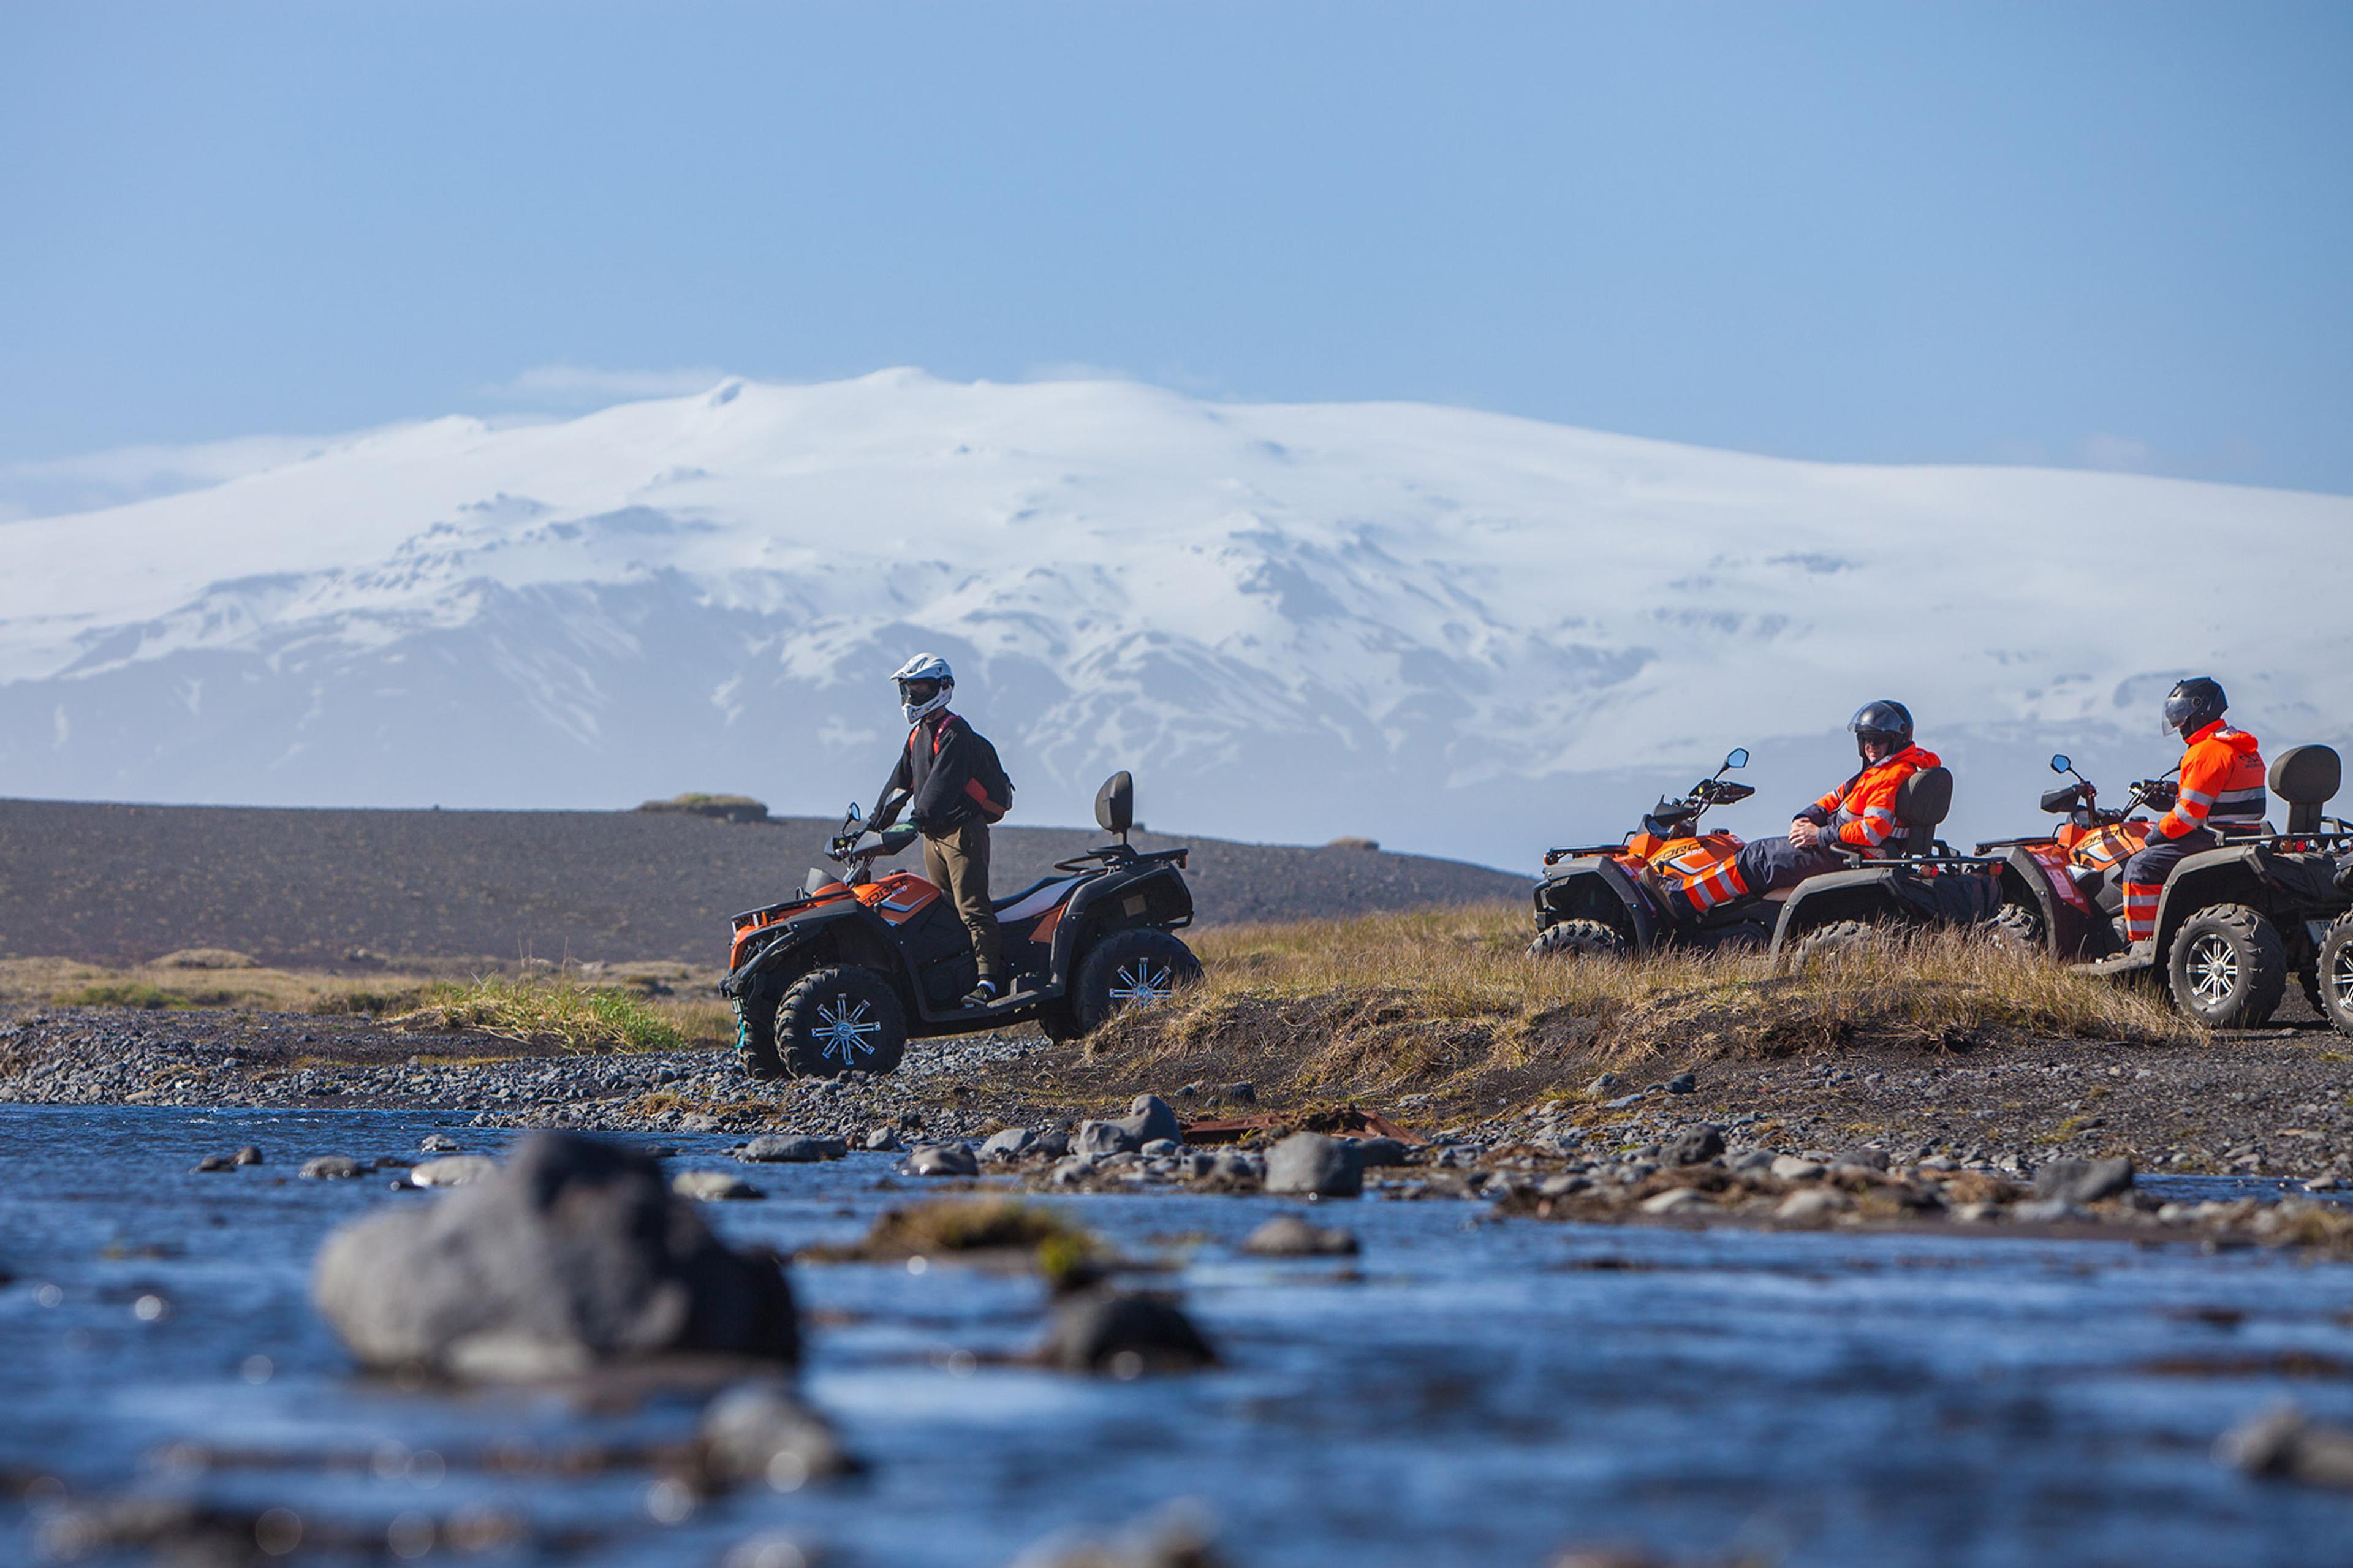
1861 813
2222 783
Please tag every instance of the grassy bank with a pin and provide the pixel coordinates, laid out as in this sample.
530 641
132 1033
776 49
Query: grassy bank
1445 1002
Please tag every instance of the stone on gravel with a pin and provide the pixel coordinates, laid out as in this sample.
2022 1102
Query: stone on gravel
882 1138
1152 1118
453 1171
1604 1083
1162 1149
1288 1236
1692 1145
942 1159
249 1155
1869 1159
1239 1165
1010 1144
1099 1138
713 1186
334 1168
1815 1206
1375 1153
1750 1160
1625 1101
761 1431
1311 1163
1124 1335
2283 1442
437 1143
1052 1142
1789 1168
1684 1083
1677 1200
573 1254
2083 1180
791 1151
1242 1093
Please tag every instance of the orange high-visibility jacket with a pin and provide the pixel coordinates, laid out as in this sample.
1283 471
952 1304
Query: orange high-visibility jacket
1861 813
2222 783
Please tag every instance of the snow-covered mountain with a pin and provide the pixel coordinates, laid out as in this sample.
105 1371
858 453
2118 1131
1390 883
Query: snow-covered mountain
1455 631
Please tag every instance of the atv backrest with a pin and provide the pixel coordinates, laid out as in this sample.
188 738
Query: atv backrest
1921 802
2306 777
1115 803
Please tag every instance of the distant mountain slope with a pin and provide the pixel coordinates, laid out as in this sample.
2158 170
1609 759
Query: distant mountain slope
1450 630
121 884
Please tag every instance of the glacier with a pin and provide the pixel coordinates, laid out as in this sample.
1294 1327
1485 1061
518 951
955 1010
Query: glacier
1459 632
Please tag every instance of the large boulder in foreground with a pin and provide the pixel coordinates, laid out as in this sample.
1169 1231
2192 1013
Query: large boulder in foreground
573 1255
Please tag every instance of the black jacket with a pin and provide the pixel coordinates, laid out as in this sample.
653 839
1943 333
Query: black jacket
947 769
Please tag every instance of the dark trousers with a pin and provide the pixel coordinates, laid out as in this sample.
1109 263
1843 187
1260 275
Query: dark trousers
1768 865
957 863
2144 874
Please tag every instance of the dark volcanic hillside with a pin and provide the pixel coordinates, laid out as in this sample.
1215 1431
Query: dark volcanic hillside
123 884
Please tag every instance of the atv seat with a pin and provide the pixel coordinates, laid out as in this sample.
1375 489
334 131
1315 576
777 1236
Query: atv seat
1922 802
1033 899
2306 778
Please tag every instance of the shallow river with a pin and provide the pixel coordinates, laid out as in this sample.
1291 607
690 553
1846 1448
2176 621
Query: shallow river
1467 1392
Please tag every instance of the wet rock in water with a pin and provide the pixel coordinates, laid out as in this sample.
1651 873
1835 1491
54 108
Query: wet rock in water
1096 1139
2083 1180
573 1255
2047 1211
437 1143
1375 1153
1789 1168
2283 1442
791 1151
1239 1166
180 1532
1178 1538
1815 1206
1152 1118
760 1431
1010 1144
943 1160
249 1155
215 1163
453 1171
334 1168
1692 1145
1124 1335
1288 1236
713 1186
1311 1163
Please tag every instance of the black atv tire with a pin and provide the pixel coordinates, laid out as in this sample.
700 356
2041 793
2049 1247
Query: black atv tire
839 1020
1058 1022
2018 925
2333 975
1838 936
1129 969
756 1034
1581 939
2227 968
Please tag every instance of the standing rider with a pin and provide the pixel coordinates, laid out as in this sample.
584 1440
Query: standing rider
2221 788
1856 819
952 785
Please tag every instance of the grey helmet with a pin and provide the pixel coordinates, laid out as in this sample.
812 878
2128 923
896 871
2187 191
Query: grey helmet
2193 704
926 684
1886 722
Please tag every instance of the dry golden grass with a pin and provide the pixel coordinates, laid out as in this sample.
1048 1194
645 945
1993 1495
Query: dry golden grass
1442 998
63 983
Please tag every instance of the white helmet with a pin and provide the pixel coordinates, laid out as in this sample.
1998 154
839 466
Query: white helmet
926 684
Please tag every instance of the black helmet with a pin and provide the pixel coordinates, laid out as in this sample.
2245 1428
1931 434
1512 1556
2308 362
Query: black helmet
1885 720
2193 704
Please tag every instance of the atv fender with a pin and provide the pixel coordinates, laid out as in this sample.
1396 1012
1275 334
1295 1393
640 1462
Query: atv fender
797 936
1153 894
1599 888
1889 894
2072 929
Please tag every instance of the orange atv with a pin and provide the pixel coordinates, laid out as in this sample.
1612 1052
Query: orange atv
839 978
2065 891
1612 898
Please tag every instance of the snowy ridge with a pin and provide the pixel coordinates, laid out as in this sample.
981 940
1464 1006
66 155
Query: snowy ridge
1459 632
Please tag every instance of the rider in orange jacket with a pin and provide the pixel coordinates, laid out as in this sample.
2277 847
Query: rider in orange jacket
1856 819
2221 789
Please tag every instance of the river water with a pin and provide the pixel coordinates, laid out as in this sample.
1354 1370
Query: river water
1469 1391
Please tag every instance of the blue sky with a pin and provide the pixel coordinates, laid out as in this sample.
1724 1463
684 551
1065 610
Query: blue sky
2099 235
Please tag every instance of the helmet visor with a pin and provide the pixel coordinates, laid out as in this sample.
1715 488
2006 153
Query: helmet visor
915 693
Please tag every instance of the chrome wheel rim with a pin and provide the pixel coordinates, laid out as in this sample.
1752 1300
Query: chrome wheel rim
2340 977
2213 970
844 1029
1142 983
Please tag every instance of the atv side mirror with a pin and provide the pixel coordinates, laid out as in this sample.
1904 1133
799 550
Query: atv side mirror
1736 758
2061 764
1115 803
855 814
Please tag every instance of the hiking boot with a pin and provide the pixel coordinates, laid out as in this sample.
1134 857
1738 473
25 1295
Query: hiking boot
981 995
